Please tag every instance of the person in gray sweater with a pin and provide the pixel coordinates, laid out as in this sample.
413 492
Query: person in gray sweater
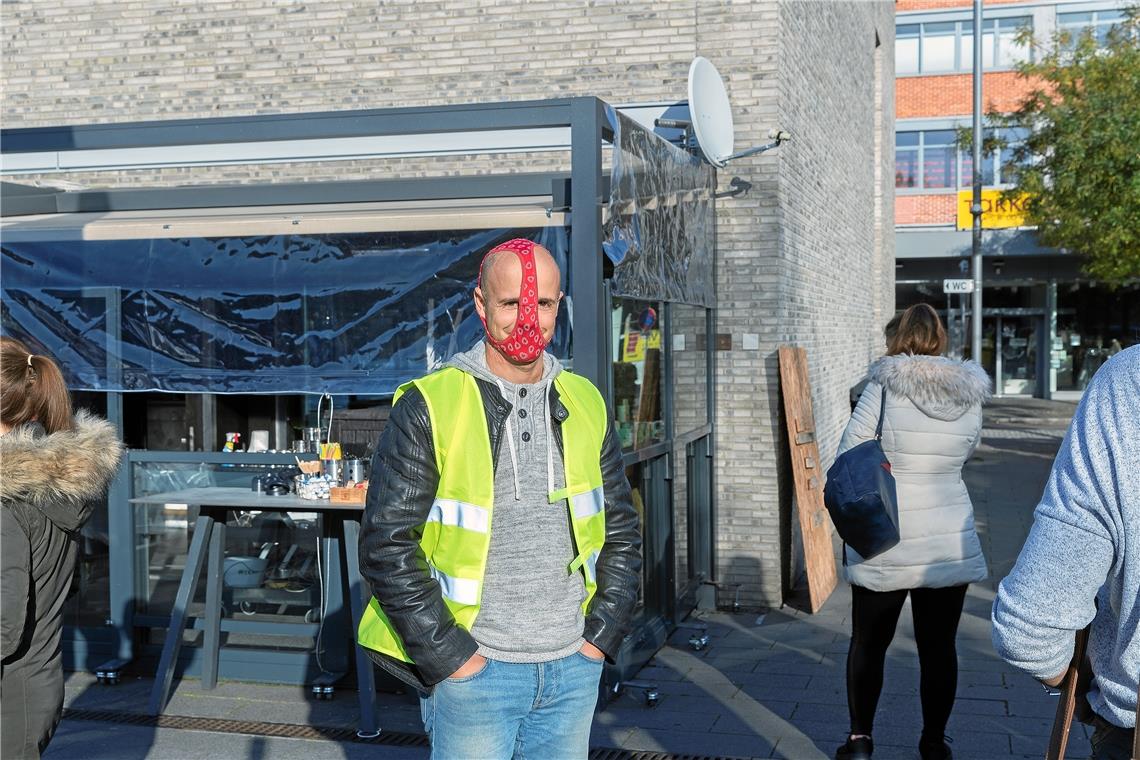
499 537
1081 561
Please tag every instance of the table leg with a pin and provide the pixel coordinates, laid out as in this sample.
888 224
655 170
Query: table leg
354 585
212 640
178 616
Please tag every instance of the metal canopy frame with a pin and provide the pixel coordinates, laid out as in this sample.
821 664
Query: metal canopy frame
584 116
583 192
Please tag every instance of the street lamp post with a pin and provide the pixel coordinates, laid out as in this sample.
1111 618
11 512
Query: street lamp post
976 204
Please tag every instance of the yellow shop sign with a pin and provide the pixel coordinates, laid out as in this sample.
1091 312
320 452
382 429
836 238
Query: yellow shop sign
997 212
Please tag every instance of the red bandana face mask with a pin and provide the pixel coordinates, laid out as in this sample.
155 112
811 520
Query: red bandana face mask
525 342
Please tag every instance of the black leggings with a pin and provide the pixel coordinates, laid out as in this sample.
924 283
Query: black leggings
874 615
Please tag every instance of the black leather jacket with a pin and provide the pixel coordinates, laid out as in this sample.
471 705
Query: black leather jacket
401 490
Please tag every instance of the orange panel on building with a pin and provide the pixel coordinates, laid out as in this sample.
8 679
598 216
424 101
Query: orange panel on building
926 209
901 6
953 94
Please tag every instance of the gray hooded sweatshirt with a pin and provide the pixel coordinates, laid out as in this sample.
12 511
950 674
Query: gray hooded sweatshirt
531 609
1085 545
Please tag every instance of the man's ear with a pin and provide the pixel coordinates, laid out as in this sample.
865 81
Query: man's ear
480 304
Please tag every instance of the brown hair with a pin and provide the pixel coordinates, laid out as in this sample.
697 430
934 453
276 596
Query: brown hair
920 331
32 388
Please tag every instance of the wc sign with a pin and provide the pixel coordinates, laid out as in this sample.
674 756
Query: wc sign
957 286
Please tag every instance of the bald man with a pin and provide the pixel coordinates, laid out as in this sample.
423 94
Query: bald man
499 537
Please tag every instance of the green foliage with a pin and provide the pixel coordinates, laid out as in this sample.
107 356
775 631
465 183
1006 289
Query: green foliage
1081 161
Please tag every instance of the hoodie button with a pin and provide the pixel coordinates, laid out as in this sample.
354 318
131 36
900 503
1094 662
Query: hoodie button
526 437
522 413
522 392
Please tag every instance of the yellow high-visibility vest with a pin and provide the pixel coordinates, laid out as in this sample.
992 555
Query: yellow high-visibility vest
457 534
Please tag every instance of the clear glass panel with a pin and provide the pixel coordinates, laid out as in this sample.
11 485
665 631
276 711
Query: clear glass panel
1007 161
1093 324
906 168
939 159
906 55
966 59
634 473
1009 51
683 573
906 139
690 367
1018 355
1073 24
89 599
938 41
271 565
987 48
637 371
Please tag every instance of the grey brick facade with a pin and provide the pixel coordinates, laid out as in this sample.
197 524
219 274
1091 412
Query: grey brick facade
805 256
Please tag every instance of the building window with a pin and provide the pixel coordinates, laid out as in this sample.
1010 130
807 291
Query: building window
948 46
1099 23
931 160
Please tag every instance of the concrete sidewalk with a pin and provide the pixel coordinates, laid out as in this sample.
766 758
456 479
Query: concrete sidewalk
770 685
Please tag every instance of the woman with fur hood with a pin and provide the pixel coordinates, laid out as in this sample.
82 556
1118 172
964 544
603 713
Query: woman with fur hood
932 421
51 466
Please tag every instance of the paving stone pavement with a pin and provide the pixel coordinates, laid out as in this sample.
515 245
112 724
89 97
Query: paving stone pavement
768 685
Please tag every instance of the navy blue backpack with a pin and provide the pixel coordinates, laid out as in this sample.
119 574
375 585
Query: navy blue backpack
860 496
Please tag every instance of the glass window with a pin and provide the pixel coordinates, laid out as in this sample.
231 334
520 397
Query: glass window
939 157
938 45
906 49
966 59
1007 160
637 372
1099 23
1010 52
906 166
689 328
271 557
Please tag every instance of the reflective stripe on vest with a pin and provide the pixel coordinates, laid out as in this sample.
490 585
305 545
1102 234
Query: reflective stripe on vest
457 533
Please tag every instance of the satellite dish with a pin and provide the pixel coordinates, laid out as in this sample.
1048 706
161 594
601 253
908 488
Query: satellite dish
710 111
711 115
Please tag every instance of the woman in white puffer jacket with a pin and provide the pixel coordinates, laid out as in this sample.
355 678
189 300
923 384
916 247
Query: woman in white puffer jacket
932 423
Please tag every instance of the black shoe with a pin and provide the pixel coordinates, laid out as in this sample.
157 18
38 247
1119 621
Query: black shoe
855 749
934 749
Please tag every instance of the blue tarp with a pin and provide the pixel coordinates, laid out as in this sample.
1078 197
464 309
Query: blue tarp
351 313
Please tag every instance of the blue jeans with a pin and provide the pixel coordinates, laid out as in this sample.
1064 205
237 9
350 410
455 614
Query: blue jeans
510 710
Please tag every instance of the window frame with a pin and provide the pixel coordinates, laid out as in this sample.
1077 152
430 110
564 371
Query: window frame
992 24
961 160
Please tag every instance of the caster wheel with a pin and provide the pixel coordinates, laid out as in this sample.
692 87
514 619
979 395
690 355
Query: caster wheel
698 641
247 608
651 699
322 692
107 677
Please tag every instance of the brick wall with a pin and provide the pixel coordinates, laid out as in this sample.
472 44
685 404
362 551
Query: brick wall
953 94
816 208
926 209
901 6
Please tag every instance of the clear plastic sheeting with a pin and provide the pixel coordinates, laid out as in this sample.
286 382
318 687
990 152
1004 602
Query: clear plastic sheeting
660 232
353 313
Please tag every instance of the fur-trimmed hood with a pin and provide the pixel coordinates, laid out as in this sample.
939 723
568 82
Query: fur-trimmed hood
61 473
942 388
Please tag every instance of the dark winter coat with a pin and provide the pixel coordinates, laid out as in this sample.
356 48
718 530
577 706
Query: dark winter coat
46 485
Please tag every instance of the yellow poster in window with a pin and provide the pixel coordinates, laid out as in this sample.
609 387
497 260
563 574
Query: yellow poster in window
635 344
634 348
997 212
